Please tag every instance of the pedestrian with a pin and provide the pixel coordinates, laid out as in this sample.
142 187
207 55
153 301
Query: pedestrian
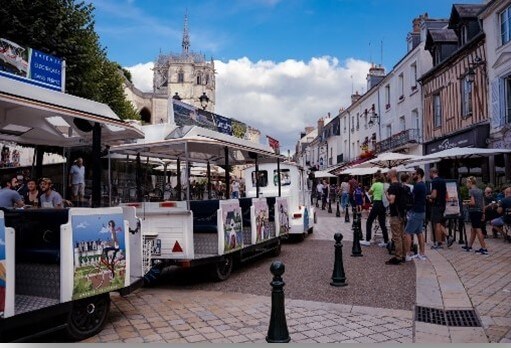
437 200
49 198
359 198
395 195
77 181
377 210
325 194
476 214
235 189
345 194
353 185
31 197
9 197
319 192
416 216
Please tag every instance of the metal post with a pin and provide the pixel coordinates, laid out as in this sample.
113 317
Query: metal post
208 171
227 174
356 250
178 172
96 165
278 177
277 332
337 212
338 275
257 175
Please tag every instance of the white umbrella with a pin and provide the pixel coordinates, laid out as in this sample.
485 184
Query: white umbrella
458 153
323 174
361 170
392 159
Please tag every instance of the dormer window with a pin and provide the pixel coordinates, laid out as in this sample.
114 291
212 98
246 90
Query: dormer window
463 35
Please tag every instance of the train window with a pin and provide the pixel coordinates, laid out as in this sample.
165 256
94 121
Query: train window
285 177
262 180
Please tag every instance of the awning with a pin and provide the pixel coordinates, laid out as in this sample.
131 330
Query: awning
33 115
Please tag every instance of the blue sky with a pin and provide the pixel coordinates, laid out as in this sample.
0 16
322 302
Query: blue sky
334 38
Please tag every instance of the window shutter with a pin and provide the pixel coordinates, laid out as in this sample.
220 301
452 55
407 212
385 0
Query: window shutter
495 106
502 102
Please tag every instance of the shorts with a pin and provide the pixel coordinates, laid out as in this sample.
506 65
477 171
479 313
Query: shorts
437 215
415 223
78 190
499 222
475 219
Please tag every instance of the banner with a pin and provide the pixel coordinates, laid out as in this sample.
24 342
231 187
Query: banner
274 144
32 66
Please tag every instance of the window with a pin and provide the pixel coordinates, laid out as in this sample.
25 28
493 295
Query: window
365 119
180 76
358 122
466 97
344 121
199 79
401 86
437 111
389 130
505 26
415 118
413 76
402 123
387 97
463 35
262 179
352 124
285 177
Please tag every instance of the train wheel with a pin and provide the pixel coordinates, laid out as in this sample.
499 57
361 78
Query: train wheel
223 268
88 316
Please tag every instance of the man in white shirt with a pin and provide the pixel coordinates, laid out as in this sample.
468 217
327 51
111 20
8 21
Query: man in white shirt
319 192
77 181
49 198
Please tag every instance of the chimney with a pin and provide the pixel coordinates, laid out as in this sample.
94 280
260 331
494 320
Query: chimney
355 97
413 38
321 123
376 74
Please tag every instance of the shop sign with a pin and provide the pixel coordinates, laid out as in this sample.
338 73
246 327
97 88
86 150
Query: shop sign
473 138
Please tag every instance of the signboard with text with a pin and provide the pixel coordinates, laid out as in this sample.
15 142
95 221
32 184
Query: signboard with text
31 66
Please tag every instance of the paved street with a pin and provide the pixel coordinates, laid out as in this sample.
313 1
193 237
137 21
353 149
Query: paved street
449 280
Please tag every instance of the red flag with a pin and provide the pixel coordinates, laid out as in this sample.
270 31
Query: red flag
274 144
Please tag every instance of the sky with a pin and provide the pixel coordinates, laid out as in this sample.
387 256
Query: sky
281 64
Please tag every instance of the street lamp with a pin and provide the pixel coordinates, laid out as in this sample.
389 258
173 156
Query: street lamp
204 100
470 75
374 117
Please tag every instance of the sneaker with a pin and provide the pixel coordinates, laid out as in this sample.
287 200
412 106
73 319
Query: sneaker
382 244
437 246
422 257
482 251
409 258
466 247
393 261
365 242
450 241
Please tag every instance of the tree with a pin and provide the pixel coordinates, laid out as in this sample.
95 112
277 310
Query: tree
65 28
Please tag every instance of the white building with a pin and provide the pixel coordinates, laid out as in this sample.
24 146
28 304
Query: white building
496 19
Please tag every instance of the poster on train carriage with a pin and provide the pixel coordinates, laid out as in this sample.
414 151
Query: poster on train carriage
282 216
3 267
262 222
232 225
99 254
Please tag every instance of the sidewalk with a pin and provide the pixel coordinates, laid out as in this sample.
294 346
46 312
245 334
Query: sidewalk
450 279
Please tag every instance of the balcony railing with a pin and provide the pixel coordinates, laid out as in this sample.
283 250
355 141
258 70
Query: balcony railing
409 136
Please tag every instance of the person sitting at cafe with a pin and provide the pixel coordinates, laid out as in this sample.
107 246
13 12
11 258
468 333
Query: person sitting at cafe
31 197
503 209
49 198
490 208
9 198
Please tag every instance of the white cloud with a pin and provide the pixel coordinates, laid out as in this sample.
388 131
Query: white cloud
279 98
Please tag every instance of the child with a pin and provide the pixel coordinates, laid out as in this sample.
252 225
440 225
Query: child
358 196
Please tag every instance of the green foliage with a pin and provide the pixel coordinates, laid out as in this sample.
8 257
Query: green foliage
65 28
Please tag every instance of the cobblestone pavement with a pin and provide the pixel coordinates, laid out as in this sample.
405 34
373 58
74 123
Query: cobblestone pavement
449 279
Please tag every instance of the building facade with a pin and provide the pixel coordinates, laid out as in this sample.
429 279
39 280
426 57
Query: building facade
455 90
187 76
496 19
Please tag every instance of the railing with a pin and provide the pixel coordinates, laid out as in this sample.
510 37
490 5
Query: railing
398 140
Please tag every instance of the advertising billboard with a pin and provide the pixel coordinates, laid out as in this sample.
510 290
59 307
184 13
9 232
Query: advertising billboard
32 66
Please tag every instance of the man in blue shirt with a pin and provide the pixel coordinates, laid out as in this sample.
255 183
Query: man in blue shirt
9 198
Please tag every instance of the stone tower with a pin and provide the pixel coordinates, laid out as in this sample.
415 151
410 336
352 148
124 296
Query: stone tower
188 74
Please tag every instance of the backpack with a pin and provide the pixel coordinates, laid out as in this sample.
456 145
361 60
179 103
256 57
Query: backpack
406 199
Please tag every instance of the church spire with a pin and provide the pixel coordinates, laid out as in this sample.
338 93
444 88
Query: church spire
186 36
